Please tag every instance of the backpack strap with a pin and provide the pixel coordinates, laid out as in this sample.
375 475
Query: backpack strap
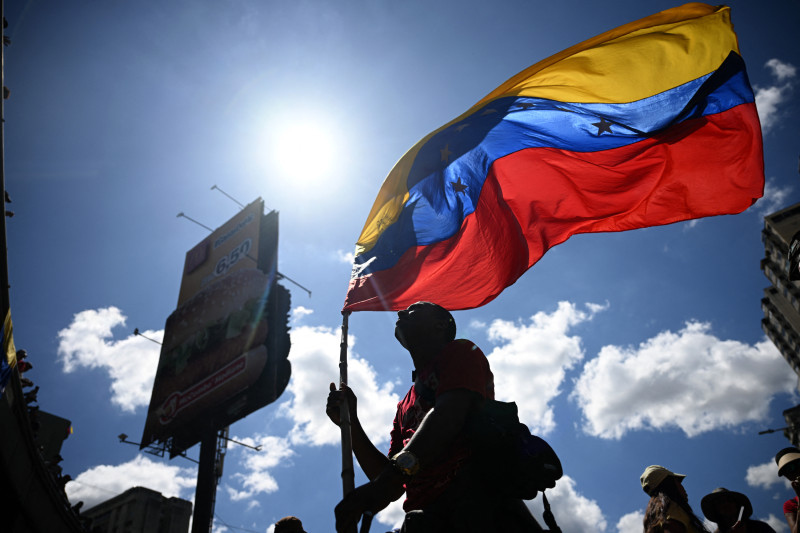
423 391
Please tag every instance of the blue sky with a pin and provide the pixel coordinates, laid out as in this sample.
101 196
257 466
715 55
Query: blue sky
623 350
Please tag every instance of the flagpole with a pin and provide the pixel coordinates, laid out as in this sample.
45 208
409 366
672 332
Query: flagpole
348 474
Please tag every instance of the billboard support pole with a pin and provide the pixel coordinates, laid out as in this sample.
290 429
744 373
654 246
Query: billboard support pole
348 474
206 483
5 305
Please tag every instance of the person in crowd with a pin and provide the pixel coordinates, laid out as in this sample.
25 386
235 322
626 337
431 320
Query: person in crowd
289 524
23 365
429 455
31 395
668 510
788 460
731 512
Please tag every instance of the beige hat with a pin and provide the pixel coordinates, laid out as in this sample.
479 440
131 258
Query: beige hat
654 475
785 460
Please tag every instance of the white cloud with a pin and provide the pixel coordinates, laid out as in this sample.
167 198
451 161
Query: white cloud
774 198
690 380
393 515
299 313
631 522
315 364
778 524
130 363
782 71
477 324
102 482
345 257
768 99
530 365
255 477
596 308
690 224
574 512
765 476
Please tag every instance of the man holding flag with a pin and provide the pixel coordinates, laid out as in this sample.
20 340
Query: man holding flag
429 454
651 123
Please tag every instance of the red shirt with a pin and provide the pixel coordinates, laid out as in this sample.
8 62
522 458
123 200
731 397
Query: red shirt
460 365
790 506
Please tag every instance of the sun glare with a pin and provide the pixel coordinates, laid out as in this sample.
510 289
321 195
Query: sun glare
304 151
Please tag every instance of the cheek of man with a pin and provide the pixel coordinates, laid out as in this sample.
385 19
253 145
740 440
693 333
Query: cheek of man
398 334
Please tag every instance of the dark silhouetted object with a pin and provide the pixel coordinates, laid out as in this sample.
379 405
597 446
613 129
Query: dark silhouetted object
30 396
140 510
723 507
289 524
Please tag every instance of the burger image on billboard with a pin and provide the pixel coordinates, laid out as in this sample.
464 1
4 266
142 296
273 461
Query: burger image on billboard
213 349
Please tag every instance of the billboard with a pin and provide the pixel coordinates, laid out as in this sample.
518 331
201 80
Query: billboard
225 346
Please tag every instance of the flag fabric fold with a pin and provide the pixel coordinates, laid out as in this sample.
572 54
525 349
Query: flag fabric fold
8 360
647 124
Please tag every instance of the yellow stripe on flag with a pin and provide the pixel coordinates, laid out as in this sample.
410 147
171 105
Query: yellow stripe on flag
634 61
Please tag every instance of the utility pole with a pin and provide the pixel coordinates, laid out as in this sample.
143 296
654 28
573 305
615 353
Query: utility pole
4 298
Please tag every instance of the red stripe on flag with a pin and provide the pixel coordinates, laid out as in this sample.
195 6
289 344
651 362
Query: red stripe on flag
537 198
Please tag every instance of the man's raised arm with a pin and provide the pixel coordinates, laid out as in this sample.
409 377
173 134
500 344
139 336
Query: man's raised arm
371 460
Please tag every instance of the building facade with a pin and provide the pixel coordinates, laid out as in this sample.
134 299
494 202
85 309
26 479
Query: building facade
140 510
32 497
781 301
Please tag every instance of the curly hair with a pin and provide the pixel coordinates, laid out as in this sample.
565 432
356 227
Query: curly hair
657 508
656 513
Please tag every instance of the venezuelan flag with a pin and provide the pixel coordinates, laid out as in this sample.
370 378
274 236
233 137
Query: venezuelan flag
648 124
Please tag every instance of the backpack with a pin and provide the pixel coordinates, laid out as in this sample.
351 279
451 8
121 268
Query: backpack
510 459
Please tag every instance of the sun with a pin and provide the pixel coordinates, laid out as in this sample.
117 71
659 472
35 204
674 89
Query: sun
304 151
